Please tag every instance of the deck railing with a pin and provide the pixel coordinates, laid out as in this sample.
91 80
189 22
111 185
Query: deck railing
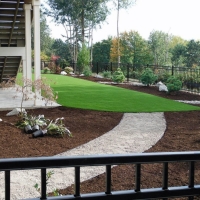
137 159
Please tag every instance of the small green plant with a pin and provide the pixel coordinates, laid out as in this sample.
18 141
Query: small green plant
163 76
68 70
87 71
173 84
83 58
30 120
118 76
46 70
148 77
48 176
56 192
107 74
56 127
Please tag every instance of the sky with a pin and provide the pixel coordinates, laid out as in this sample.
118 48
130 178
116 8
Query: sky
176 17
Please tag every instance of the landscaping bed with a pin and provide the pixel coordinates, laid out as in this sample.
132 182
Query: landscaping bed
182 134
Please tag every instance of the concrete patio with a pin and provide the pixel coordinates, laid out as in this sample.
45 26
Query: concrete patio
10 99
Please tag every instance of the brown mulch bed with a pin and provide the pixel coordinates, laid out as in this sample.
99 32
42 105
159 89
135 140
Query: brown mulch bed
182 134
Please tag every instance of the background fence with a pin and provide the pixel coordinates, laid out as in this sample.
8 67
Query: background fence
190 77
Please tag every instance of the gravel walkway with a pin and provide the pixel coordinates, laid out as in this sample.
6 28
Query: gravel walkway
135 133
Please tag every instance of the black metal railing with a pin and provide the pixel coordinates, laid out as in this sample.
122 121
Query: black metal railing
137 159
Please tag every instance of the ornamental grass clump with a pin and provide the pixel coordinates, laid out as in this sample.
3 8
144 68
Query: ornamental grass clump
57 128
107 74
118 76
87 71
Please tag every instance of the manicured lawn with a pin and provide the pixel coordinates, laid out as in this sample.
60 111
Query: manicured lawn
78 93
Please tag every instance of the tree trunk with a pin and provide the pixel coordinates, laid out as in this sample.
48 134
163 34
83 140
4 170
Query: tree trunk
118 50
82 22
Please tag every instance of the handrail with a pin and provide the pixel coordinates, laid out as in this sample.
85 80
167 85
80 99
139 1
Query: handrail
138 159
112 159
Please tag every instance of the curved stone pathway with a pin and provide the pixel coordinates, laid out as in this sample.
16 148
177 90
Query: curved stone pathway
135 133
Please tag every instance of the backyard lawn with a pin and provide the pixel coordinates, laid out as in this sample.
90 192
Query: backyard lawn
78 93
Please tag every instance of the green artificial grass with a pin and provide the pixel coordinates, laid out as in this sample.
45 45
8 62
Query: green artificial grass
78 93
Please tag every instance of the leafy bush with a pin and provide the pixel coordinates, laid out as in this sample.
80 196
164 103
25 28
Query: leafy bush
87 71
135 74
173 84
118 76
46 70
68 69
148 77
107 74
163 76
83 58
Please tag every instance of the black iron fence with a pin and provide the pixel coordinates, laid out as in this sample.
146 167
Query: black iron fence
190 77
190 190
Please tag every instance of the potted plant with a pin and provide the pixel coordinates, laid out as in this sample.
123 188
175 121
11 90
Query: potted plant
31 123
56 128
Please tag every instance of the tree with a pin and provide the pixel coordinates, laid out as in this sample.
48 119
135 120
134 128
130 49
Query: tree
175 40
101 51
114 50
78 18
83 58
61 49
159 45
119 4
178 53
134 49
192 53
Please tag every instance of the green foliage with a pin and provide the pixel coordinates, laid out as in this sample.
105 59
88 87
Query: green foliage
135 74
61 49
178 53
57 128
79 14
173 84
48 176
107 74
68 69
101 51
118 76
83 58
87 71
148 77
162 75
134 49
30 120
192 54
159 45
46 70
56 192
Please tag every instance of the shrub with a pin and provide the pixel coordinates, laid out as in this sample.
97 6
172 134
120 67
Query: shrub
148 77
68 69
118 76
87 71
173 84
163 76
135 74
83 58
46 70
52 67
107 74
